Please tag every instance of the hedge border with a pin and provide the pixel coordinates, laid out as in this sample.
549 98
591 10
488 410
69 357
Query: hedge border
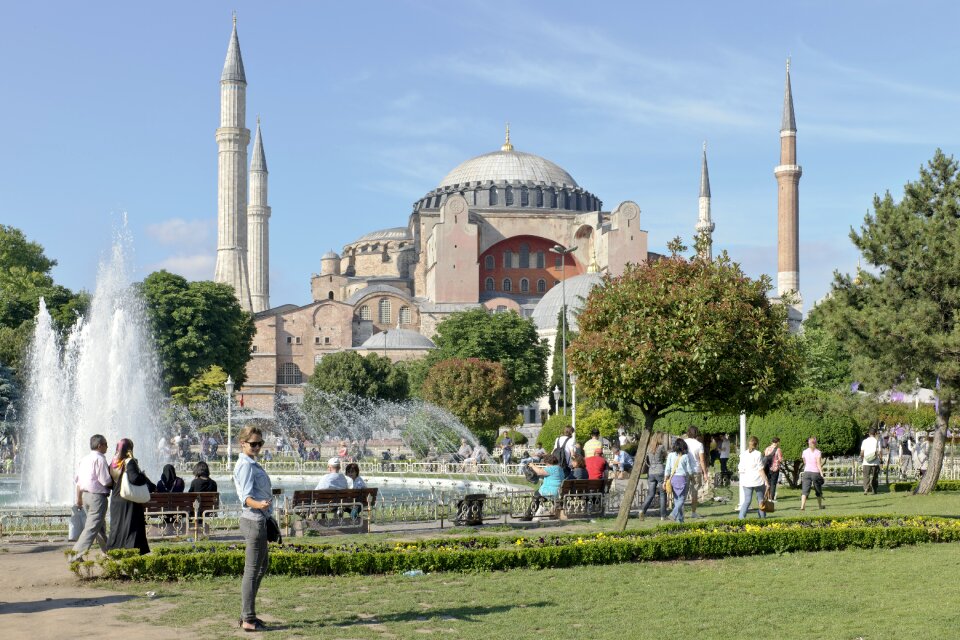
942 485
673 542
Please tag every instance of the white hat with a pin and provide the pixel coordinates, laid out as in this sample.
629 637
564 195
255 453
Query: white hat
333 462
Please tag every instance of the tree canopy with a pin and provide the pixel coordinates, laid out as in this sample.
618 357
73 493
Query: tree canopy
348 373
497 337
210 380
476 391
197 325
900 317
678 334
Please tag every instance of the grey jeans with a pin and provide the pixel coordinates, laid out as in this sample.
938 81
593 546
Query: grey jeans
95 530
255 567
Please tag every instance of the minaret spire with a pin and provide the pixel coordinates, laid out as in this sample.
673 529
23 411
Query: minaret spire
258 228
788 174
233 137
705 225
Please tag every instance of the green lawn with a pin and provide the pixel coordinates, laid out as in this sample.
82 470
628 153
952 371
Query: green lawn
870 594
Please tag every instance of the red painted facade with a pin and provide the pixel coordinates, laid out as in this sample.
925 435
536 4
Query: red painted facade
508 256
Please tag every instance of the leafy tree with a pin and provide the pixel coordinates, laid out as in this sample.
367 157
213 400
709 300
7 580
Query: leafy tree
476 391
416 371
197 325
678 334
497 337
900 319
210 380
552 429
607 421
13 344
348 373
9 390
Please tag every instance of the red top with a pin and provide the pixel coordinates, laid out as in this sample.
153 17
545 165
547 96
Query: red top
595 465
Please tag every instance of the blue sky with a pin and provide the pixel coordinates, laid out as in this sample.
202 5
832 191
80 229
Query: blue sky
111 108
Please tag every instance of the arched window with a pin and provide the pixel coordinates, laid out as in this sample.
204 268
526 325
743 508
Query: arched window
365 313
508 197
405 317
539 197
508 259
541 285
289 374
524 197
493 196
507 285
524 256
489 284
524 285
541 259
551 198
490 263
383 311
329 295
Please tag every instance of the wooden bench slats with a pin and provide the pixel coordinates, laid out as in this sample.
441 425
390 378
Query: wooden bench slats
183 501
318 497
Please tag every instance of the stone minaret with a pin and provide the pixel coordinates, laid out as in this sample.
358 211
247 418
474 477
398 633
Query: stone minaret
232 140
258 228
705 225
788 174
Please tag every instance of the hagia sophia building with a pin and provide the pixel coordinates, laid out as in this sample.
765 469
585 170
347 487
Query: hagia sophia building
485 236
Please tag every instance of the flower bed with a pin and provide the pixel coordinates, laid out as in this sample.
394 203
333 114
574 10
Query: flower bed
494 553
942 485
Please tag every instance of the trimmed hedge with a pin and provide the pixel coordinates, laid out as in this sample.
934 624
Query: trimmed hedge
942 485
490 553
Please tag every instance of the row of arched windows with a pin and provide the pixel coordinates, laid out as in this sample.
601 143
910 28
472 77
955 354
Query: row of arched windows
385 311
519 260
507 285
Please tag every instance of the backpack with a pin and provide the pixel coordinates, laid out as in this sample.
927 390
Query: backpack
562 456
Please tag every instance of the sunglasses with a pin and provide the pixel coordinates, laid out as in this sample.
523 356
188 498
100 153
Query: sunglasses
255 445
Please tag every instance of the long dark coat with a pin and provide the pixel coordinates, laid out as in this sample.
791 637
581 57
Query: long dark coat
128 527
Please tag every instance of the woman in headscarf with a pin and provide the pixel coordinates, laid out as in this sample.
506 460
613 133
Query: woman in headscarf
169 481
128 527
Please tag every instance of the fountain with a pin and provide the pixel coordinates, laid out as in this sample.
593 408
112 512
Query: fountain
101 378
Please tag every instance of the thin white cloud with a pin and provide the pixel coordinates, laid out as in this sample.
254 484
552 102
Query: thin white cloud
192 267
177 231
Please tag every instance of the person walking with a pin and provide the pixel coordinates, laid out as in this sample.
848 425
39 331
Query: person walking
870 454
922 452
724 449
773 459
678 469
656 460
753 479
701 472
93 484
507 449
255 493
812 476
128 524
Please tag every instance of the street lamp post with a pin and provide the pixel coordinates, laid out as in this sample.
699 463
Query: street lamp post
228 385
563 252
556 399
573 387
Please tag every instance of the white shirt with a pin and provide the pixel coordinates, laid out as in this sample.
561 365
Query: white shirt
751 464
332 481
869 451
694 449
725 448
356 483
93 476
570 446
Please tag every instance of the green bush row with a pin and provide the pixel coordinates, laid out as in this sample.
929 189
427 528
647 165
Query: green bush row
676 542
942 485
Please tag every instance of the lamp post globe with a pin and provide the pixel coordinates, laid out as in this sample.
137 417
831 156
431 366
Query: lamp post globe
556 399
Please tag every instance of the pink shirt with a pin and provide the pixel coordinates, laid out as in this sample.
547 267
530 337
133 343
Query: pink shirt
93 474
811 460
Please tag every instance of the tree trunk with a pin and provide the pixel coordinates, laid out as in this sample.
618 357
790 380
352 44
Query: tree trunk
793 470
935 460
634 480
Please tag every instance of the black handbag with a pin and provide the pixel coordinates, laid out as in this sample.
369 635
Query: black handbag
273 531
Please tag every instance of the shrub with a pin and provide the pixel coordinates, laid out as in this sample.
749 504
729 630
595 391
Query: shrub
517 437
676 423
605 420
552 429
942 485
489 553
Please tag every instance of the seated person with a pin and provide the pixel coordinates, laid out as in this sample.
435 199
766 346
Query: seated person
578 470
596 465
622 461
201 479
465 450
535 456
352 471
552 476
170 482
334 479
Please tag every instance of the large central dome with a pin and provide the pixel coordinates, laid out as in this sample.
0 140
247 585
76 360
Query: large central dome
509 166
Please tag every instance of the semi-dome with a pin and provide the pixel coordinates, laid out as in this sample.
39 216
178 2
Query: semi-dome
508 166
577 289
405 339
330 255
393 233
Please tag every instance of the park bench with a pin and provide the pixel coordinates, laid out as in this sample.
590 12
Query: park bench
331 511
172 513
581 498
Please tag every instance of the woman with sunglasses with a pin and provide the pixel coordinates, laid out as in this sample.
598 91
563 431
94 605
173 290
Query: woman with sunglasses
255 493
